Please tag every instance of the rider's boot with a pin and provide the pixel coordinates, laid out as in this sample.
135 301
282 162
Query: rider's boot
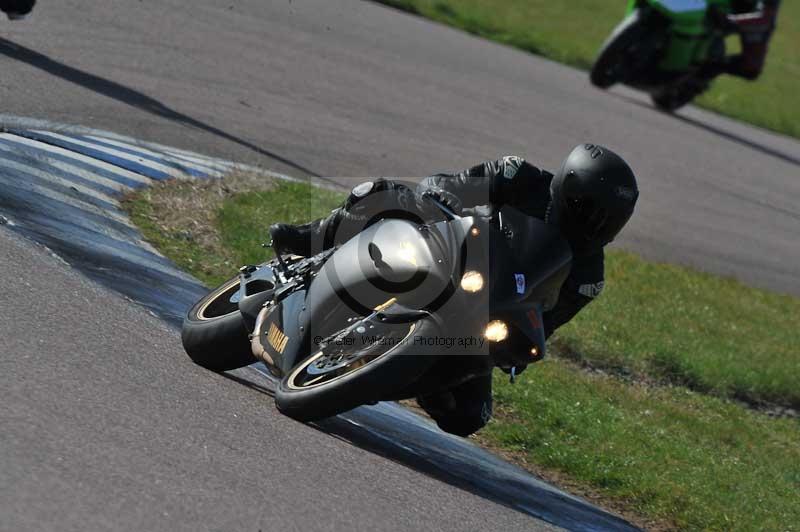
309 239
711 70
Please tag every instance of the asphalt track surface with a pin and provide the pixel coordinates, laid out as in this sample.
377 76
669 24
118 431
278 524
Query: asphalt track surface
307 88
350 88
108 426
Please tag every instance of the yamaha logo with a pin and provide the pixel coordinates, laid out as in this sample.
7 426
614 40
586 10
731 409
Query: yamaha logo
276 338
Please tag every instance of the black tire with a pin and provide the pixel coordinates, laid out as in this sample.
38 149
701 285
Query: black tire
377 379
614 62
214 334
669 100
673 97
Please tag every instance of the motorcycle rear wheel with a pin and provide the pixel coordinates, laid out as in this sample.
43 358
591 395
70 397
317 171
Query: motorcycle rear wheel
214 334
672 98
338 378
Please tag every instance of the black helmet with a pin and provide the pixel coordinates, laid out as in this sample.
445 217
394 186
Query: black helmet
593 195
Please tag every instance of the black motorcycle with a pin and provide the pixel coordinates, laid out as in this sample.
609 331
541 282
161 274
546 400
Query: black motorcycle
403 309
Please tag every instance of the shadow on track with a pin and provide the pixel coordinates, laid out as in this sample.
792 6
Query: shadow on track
733 137
397 434
129 96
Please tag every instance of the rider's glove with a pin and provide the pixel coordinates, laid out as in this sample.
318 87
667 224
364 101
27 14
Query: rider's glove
444 197
479 211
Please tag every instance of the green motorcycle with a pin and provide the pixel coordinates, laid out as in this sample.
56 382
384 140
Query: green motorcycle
661 46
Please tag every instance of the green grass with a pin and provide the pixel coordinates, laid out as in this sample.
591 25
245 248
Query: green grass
204 263
706 332
243 218
210 228
671 454
658 436
572 32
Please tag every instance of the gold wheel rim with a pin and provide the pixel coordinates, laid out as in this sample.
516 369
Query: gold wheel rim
292 376
213 298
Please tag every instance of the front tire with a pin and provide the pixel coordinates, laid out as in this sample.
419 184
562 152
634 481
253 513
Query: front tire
614 63
364 375
214 334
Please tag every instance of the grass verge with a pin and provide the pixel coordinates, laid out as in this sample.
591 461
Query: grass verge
572 32
209 228
657 436
679 326
682 459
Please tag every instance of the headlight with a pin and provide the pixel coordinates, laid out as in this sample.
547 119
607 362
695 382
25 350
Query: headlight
472 282
496 331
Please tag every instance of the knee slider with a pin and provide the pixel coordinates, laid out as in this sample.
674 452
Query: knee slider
461 425
463 422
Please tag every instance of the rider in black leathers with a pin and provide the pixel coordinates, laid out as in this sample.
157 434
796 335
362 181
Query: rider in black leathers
590 199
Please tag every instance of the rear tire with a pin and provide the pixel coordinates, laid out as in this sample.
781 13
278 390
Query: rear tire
667 101
214 334
375 380
672 98
614 62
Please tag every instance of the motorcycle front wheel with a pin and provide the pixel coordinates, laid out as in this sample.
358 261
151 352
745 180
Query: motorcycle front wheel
615 62
359 365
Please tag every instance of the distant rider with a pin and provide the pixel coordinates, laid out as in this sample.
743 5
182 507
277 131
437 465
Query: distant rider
590 199
755 22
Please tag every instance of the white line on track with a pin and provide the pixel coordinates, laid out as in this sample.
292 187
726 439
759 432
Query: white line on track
52 177
190 162
81 172
72 201
169 170
133 176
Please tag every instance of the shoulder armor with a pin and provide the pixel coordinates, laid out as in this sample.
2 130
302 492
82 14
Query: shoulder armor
510 165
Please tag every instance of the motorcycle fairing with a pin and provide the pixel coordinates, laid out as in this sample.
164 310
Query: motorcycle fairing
683 6
531 324
689 39
390 259
389 255
536 252
281 335
256 287
532 249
